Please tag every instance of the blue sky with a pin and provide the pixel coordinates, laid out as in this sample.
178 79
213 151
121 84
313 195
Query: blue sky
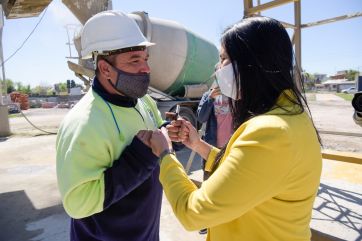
325 49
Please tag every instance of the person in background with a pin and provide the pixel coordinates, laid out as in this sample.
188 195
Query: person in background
109 180
214 110
264 182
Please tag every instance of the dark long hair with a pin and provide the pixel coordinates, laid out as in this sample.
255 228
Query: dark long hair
261 54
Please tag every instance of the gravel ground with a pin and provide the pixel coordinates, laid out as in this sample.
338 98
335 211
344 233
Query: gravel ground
333 114
330 113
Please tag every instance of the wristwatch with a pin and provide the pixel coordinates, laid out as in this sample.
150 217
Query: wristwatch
164 153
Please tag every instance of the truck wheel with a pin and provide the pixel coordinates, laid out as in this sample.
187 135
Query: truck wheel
188 114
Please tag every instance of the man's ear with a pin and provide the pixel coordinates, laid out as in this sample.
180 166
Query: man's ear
104 68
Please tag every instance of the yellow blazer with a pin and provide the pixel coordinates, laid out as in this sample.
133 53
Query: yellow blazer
263 188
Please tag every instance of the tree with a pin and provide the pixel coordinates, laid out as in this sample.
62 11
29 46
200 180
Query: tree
23 89
62 87
42 90
9 85
350 74
308 80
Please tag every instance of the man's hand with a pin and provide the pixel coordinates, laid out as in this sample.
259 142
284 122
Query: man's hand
160 141
157 140
145 136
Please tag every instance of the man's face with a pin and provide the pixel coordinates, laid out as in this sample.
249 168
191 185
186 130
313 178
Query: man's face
134 62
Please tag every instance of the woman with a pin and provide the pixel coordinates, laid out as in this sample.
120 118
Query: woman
264 182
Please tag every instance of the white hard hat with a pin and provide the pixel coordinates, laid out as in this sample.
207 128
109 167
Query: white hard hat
110 30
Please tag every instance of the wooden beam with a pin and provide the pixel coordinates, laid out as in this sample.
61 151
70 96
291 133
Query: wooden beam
253 10
319 236
350 157
287 25
331 20
248 4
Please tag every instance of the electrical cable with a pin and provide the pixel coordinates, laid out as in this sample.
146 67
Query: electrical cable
21 46
13 54
26 118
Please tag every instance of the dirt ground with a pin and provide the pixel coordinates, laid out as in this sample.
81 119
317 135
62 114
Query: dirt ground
30 205
333 114
330 114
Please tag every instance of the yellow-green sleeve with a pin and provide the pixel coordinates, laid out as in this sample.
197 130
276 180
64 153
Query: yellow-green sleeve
251 173
155 110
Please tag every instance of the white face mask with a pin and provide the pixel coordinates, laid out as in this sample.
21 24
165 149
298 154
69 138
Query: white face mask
226 81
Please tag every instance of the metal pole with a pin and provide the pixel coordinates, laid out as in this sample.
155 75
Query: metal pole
68 43
110 5
4 119
3 83
298 38
248 4
192 155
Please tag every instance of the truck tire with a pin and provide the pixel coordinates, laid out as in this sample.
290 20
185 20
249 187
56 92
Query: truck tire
188 114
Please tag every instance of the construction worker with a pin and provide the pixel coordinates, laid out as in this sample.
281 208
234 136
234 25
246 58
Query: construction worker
108 179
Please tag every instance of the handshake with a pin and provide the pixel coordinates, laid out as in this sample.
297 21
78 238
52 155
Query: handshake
160 140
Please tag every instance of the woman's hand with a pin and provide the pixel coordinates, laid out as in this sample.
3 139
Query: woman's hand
214 92
192 140
176 131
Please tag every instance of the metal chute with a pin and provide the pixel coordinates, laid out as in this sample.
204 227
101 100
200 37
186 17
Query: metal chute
84 9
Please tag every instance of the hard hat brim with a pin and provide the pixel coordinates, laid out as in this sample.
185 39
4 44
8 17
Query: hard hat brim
144 43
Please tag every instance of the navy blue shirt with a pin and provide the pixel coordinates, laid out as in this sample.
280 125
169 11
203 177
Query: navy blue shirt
133 193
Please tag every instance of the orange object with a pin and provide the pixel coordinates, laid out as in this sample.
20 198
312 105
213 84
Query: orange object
22 99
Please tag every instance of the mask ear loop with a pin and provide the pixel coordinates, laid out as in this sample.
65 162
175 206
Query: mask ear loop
114 86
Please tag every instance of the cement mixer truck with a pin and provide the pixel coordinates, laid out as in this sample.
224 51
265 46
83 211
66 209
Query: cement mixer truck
181 62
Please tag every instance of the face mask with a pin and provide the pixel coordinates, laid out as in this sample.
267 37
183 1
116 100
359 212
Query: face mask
226 81
131 85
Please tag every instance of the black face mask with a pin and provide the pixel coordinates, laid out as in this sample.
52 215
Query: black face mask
131 85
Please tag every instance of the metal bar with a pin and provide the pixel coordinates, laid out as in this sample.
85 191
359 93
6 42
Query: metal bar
251 10
350 157
331 20
258 4
287 25
340 133
192 155
298 39
319 236
3 83
248 4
